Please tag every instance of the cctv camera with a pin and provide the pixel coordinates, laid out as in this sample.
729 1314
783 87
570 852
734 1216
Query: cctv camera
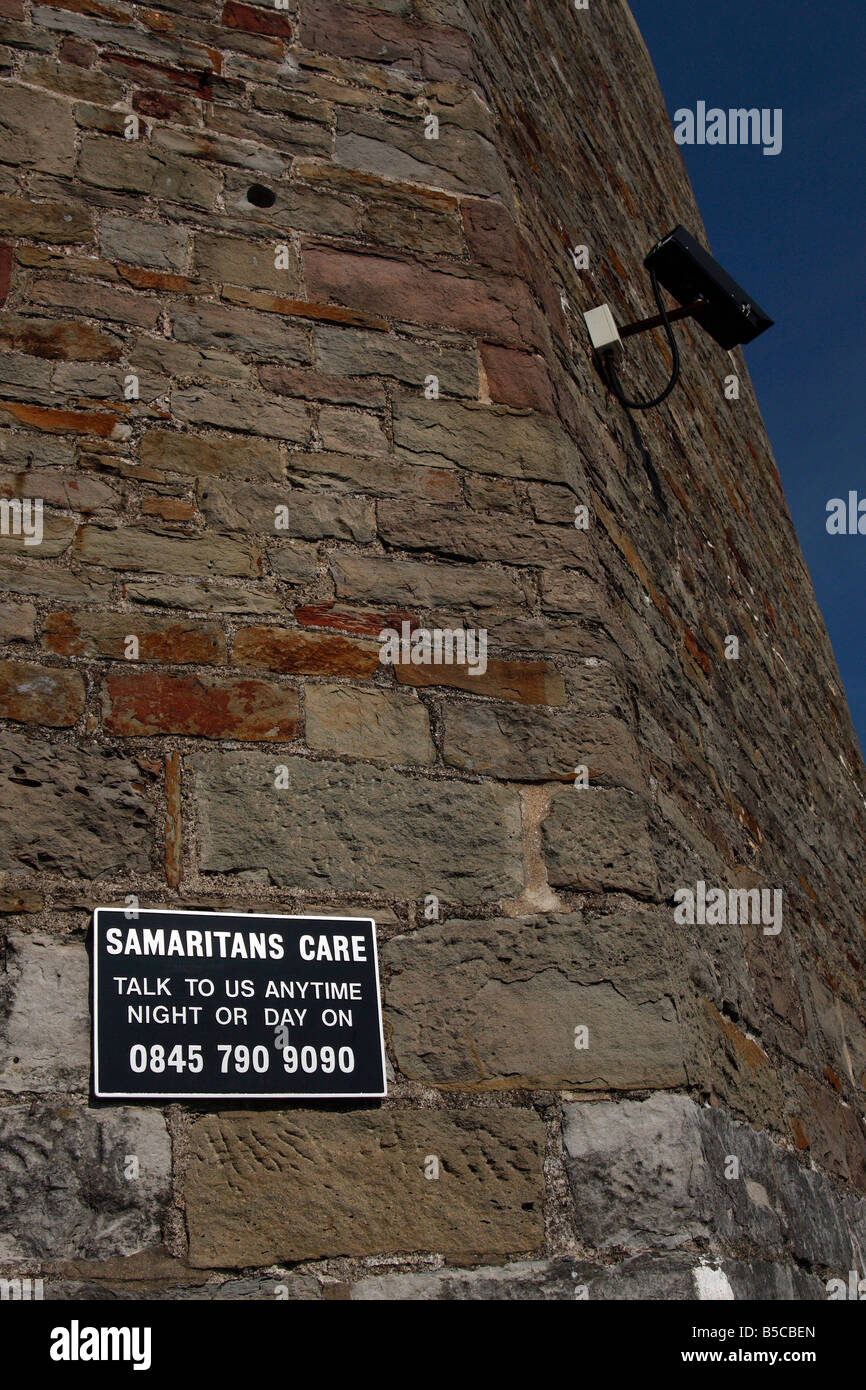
689 273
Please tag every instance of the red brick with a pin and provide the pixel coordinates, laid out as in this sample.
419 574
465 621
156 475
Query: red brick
144 279
168 508
256 21
90 7
404 291
357 620
517 378
495 240
159 639
525 682
76 51
160 73
5 272
164 106
141 703
66 421
66 341
436 50
303 309
35 694
303 653
492 236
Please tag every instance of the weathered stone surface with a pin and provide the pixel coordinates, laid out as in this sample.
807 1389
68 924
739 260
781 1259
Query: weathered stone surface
320 386
304 653
45 221
662 1278
490 494
96 301
597 840
351 431
33 694
63 1192
23 378
540 746
379 477
518 989
37 130
375 580
636 1172
210 454
17 622
142 243
57 536
654 1174
140 703
406 292
231 260
260 510
459 159
212 145
159 639
91 808
77 342
59 489
239 330
570 592
518 379
45 1013
272 1187
103 424
161 355
523 1281
20 577
128 548
409 258
436 50
203 597
417 525
485 438
295 562
349 352
128 166
316 310
368 724
358 829
234 409
527 682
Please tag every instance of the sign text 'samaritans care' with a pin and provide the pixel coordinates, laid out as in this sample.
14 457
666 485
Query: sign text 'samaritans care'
209 1004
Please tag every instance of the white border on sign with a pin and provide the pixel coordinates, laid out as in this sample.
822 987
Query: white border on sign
233 1095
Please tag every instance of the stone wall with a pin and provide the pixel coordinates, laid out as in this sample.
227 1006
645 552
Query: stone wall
178 363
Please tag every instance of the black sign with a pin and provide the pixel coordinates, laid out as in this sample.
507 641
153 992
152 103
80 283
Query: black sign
198 1005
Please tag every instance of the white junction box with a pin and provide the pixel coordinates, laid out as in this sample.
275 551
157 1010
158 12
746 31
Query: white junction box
603 330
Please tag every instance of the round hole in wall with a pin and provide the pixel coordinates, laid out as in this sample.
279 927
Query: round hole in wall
260 196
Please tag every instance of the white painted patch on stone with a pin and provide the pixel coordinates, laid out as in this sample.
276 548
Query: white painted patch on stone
712 1284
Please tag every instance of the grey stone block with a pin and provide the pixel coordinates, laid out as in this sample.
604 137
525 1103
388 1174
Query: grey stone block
44 1015
63 1190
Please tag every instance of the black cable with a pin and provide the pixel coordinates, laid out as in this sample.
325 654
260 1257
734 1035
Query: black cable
610 369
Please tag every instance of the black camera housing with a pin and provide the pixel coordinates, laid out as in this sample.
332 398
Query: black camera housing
688 272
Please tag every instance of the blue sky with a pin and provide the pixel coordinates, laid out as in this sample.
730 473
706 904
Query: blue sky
791 229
